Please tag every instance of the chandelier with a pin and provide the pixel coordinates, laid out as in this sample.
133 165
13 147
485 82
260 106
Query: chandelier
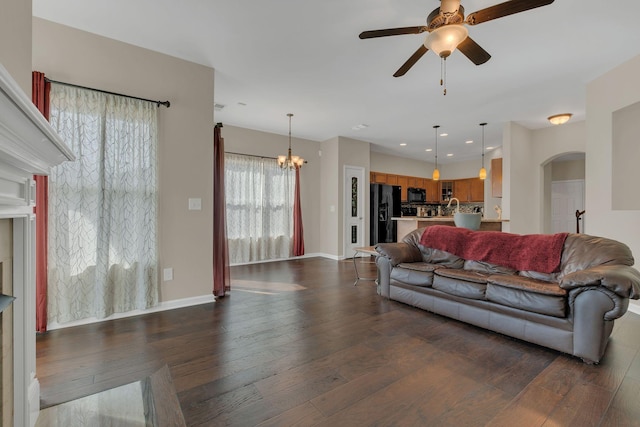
290 162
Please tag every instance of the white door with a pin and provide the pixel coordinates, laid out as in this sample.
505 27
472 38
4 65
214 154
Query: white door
566 198
354 193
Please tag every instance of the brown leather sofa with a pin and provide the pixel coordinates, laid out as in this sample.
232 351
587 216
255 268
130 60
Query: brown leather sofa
571 310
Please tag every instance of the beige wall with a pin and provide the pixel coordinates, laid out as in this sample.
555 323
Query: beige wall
329 197
246 141
625 155
185 142
614 90
525 172
15 41
567 170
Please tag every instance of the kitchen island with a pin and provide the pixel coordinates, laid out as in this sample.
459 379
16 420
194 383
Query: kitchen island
407 224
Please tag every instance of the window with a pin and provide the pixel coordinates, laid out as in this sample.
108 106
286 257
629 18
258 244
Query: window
259 198
102 207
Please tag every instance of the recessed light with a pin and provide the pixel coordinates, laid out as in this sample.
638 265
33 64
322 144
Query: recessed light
360 127
444 134
450 155
489 148
429 149
469 142
403 144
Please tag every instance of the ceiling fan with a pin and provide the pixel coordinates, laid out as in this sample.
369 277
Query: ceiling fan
447 31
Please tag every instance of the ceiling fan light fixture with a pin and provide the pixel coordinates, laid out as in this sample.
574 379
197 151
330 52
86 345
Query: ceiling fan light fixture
444 40
559 119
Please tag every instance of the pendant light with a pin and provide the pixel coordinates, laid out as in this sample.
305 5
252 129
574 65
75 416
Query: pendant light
436 172
483 172
290 162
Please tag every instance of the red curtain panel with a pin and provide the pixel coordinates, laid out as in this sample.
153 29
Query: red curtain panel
221 274
40 89
298 234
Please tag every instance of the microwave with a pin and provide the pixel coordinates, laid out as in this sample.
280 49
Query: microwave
416 195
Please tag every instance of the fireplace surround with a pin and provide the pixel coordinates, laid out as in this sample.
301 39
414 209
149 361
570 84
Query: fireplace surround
28 146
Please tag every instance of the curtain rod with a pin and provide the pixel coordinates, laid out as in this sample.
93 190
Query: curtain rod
250 155
158 103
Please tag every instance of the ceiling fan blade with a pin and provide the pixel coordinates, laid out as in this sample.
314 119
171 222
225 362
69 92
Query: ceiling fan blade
473 51
392 32
504 9
411 61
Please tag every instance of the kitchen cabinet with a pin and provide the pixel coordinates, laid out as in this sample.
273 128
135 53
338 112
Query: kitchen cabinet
378 178
433 190
496 177
416 182
476 190
466 190
461 189
403 182
446 190
469 190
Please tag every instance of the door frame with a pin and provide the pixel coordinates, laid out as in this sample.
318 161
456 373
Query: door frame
359 171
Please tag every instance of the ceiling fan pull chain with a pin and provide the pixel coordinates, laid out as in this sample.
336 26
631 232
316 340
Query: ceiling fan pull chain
443 75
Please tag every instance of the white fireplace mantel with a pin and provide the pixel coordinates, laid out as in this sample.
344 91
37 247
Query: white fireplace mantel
28 146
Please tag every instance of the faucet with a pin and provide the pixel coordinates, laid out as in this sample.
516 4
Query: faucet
457 204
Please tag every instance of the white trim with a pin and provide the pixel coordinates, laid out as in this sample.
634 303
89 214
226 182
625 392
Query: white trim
264 261
634 308
163 306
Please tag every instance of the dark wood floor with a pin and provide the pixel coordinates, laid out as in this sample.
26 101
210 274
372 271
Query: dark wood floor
295 343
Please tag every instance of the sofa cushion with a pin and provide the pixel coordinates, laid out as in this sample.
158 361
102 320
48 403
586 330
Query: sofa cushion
547 277
472 286
414 273
528 294
460 274
487 267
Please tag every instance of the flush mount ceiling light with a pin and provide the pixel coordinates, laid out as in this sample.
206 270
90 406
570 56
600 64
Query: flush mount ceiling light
290 162
436 172
559 119
483 172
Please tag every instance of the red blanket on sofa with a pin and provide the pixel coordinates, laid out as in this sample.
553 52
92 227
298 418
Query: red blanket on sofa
536 252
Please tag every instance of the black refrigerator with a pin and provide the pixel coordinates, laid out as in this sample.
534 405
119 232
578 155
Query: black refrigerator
385 204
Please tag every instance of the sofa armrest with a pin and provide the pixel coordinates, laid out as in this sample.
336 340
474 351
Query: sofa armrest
620 279
398 253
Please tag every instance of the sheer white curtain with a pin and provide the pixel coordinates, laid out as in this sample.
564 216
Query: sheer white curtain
102 207
259 199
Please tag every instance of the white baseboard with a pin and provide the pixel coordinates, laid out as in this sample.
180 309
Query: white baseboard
166 305
634 308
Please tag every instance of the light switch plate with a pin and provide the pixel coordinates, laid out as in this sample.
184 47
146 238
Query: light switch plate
167 274
195 204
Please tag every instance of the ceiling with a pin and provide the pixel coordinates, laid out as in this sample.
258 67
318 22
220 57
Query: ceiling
304 57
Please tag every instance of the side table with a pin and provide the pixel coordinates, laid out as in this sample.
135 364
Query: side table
369 250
